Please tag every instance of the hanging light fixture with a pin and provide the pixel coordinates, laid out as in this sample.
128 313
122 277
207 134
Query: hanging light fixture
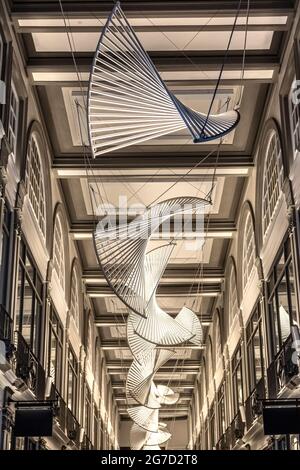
128 102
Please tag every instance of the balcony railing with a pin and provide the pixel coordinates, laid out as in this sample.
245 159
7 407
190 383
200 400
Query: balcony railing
61 408
73 428
6 333
29 369
253 403
224 441
86 443
67 421
282 369
237 428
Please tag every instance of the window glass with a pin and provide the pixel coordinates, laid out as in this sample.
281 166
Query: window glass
58 251
1 55
29 301
74 302
233 298
55 351
294 109
88 411
237 381
34 181
272 180
13 120
4 255
282 297
72 381
221 410
248 249
255 356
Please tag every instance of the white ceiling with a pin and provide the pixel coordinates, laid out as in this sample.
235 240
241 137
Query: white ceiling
150 21
156 41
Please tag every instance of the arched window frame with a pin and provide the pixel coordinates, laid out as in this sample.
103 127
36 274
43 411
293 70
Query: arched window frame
273 175
233 303
59 256
209 363
203 387
89 337
249 250
35 182
217 338
74 297
294 114
97 363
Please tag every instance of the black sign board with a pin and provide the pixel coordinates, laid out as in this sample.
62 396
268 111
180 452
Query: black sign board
282 417
31 421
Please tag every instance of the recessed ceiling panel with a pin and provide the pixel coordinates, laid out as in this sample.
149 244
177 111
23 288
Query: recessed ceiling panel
156 41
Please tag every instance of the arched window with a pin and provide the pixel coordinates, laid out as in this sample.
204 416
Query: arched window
97 362
272 179
294 108
203 387
102 379
210 367
89 338
233 305
217 339
74 299
34 182
58 251
248 249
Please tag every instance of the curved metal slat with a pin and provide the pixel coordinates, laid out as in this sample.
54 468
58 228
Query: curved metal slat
125 88
146 418
121 251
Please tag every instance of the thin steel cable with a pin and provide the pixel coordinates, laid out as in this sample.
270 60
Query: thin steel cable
223 65
244 56
216 13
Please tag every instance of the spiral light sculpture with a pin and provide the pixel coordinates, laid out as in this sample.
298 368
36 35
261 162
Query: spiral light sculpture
128 102
134 274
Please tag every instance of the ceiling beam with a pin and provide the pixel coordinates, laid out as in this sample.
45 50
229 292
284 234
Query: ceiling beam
165 61
176 415
168 175
41 9
210 225
189 272
173 383
161 373
165 408
68 166
118 344
151 27
178 68
202 290
114 320
171 271
122 396
176 365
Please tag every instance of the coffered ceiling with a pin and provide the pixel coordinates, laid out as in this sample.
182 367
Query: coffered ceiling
186 40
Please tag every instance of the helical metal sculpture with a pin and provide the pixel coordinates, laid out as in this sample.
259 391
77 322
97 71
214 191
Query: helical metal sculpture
128 102
134 274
